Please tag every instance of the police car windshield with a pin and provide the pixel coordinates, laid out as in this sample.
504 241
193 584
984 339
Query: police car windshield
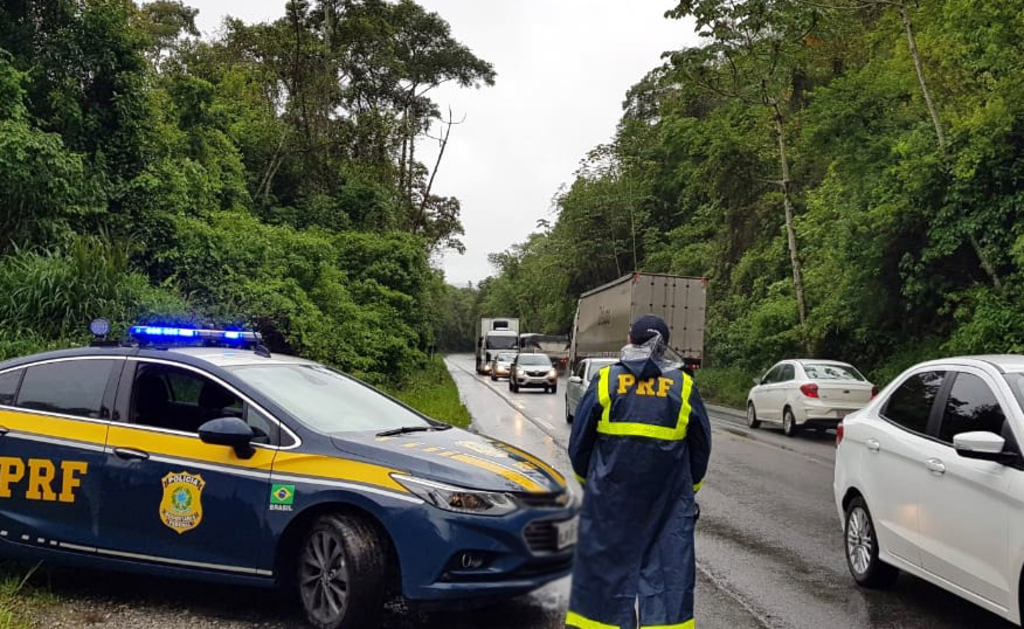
326 401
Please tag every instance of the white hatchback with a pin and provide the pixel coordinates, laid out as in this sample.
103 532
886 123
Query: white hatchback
814 393
929 479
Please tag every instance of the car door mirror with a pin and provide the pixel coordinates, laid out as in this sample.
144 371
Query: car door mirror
231 432
758 381
575 380
983 445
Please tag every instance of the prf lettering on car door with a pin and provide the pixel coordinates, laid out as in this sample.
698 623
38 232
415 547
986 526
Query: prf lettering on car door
40 479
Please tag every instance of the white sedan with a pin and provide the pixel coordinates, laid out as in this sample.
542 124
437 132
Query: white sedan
929 479
814 393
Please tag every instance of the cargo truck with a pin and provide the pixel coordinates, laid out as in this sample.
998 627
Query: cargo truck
494 335
603 315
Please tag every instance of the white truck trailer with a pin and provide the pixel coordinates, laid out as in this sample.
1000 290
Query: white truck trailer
495 335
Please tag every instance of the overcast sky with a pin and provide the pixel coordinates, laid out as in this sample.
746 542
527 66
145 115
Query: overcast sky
563 67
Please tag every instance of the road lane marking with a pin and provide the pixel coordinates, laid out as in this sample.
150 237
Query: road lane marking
542 425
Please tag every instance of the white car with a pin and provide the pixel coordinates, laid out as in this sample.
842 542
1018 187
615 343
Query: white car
929 479
813 393
579 381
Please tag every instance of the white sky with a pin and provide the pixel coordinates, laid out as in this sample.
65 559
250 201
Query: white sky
563 67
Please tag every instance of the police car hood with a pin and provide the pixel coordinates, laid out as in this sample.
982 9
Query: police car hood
458 458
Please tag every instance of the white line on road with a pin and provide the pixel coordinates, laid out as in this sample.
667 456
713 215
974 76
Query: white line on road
544 426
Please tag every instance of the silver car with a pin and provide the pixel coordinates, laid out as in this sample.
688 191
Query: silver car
502 365
533 371
580 380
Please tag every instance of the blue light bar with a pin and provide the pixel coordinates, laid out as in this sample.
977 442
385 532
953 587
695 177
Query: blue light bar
168 334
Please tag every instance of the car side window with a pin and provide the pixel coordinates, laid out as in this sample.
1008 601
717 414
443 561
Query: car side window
787 373
911 403
774 374
69 387
581 370
9 386
173 398
972 406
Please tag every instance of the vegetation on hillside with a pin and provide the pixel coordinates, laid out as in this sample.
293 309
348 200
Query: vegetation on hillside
846 173
267 177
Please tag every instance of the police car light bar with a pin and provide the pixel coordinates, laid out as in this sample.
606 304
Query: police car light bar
184 334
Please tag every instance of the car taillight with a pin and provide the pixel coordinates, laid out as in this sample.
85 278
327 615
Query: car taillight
874 392
839 433
810 390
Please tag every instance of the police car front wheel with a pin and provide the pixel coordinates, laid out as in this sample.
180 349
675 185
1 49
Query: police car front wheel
341 573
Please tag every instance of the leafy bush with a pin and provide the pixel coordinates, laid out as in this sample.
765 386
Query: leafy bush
727 386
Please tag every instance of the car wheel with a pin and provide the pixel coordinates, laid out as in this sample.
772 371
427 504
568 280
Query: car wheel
862 548
752 420
554 388
341 574
494 378
788 423
568 415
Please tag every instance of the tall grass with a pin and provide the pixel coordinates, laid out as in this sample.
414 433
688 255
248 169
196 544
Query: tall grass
16 599
727 386
432 392
48 298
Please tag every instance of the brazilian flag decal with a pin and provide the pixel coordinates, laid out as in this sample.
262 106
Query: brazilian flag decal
282 494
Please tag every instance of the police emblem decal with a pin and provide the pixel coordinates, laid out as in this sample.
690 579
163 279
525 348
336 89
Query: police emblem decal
181 507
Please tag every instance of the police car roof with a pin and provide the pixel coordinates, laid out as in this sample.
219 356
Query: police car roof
233 357
218 356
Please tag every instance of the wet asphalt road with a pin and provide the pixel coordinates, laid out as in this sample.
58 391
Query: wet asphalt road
769 544
769 548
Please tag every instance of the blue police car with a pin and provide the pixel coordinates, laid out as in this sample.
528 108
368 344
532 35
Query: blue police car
231 464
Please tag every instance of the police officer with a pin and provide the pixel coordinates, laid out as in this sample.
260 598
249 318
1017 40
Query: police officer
640 447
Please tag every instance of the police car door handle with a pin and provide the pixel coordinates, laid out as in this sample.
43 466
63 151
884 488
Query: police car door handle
129 454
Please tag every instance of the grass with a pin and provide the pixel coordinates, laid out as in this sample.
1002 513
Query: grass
17 598
433 393
727 386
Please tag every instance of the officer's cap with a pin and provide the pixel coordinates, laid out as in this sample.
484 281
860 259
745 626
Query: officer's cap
646 327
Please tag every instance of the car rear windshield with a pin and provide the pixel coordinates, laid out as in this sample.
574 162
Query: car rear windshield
832 372
506 358
534 360
327 401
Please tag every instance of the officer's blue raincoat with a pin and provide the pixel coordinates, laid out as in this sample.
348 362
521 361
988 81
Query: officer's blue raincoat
640 445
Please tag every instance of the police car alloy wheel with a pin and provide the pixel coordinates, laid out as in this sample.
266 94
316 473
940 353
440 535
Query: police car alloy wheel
862 548
341 574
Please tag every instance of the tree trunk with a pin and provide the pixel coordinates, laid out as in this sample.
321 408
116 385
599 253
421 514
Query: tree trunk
986 265
932 111
787 202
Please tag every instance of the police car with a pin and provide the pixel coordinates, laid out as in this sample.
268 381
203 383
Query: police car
228 463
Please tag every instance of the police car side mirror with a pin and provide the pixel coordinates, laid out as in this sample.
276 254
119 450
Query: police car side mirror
231 432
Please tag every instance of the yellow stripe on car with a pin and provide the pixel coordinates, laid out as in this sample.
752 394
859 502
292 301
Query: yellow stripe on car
56 427
519 479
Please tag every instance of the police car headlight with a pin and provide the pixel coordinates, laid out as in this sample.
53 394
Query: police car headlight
458 499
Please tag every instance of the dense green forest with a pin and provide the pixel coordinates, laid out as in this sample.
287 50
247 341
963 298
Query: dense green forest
848 174
265 178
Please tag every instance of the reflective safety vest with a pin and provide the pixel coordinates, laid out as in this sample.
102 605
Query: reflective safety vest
640 443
